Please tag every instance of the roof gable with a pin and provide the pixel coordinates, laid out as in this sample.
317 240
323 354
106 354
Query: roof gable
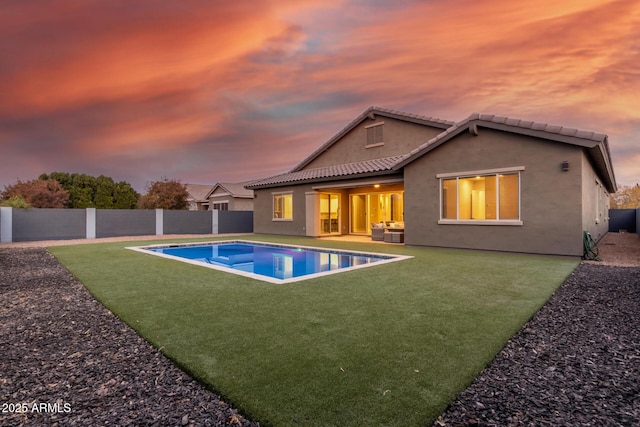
198 191
373 113
596 144
234 189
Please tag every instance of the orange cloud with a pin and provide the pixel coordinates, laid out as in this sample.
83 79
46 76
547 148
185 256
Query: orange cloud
199 85
126 53
491 54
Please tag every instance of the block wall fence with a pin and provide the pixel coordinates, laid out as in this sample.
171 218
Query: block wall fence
624 219
25 225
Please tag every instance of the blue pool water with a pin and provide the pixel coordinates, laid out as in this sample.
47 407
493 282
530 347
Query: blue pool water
274 263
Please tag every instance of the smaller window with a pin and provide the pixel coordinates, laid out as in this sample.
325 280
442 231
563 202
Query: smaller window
282 206
222 206
374 135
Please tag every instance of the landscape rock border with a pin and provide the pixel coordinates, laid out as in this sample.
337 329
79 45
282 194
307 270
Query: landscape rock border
68 361
576 363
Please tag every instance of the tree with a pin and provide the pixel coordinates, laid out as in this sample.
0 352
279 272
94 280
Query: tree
16 202
124 196
166 194
86 191
38 193
103 196
626 197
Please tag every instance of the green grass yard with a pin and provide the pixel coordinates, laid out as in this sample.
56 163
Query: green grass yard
386 345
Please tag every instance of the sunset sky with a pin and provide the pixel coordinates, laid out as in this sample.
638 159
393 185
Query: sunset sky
207 91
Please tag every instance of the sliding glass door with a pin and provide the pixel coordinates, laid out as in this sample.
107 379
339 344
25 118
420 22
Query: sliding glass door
372 208
329 213
359 214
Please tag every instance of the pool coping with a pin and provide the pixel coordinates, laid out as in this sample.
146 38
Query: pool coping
260 277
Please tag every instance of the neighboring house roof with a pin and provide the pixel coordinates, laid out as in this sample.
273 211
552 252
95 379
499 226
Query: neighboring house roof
596 144
198 192
361 169
234 189
372 112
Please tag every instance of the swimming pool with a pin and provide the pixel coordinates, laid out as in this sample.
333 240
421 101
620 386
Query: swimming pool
268 262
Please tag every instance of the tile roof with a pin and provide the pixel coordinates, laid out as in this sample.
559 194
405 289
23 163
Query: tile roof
542 127
595 143
540 130
236 189
198 191
371 167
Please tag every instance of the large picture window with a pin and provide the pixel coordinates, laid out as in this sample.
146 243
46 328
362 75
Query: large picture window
283 206
485 197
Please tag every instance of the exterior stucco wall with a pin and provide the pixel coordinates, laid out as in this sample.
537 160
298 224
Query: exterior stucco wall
220 195
595 202
550 198
263 221
399 137
240 204
306 219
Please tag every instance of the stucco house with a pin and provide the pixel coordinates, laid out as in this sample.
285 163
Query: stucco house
486 182
197 196
230 196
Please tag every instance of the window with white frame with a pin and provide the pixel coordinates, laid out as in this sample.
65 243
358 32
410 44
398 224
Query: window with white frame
221 206
481 197
283 206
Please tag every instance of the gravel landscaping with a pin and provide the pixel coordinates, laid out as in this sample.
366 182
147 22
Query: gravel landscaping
576 363
66 360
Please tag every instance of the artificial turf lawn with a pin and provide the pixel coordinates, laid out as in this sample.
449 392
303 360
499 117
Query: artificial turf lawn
385 345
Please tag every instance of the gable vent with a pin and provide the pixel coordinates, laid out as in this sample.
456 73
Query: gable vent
374 134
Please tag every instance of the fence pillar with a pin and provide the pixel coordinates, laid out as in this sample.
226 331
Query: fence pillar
215 229
6 224
90 222
159 222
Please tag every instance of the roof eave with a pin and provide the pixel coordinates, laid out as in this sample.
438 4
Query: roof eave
325 179
473 122
601 160
597 147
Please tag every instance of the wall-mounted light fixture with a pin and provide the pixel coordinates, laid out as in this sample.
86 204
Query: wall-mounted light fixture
565 166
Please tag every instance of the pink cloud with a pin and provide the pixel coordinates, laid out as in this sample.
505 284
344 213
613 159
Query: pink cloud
232 90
